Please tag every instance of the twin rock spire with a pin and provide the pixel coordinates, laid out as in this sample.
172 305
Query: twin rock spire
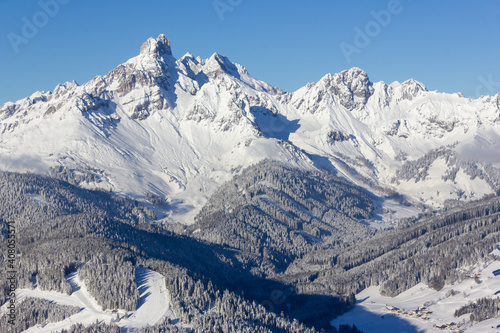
159 46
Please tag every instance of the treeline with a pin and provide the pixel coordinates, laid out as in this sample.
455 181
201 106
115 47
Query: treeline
419 168
94 328
76 177
482 309
34 311
29 198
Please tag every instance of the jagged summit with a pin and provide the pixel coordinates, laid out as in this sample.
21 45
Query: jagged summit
419 85
354 72
350 88
159 46
353 87
173 127
217 63
409 84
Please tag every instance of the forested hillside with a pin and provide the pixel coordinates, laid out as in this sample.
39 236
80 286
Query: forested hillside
281 213
430 249
276 249
104 246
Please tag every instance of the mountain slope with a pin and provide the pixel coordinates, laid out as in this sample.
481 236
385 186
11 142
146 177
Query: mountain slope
279 213
223 283
178 129
106 248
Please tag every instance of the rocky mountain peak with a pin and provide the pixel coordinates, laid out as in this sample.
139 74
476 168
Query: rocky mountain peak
159 46
352 87
410 88
218 64
356 80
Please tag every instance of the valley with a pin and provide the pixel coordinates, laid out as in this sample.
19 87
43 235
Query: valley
184 195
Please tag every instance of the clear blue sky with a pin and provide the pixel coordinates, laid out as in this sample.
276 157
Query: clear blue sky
448 45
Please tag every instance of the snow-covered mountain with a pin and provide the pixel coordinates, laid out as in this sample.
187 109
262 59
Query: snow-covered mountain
179 128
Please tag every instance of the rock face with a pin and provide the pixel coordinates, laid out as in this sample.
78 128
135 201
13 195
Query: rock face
180 127
159 47
352 88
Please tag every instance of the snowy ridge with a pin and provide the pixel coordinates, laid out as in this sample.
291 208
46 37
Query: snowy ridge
180 128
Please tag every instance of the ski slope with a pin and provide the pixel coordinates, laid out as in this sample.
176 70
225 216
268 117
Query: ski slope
154 304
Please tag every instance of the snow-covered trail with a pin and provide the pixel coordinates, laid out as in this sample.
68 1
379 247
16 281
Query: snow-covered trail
80 291
154 304
154 300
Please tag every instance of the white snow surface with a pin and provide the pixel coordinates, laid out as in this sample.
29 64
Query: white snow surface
371 313
179 128
154 304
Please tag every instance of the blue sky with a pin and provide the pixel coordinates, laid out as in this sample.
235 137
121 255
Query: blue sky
450 46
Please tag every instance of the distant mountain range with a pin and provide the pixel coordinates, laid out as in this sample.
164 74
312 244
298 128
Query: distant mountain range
177 129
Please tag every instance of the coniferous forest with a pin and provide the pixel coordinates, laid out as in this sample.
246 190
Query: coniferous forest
275 249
